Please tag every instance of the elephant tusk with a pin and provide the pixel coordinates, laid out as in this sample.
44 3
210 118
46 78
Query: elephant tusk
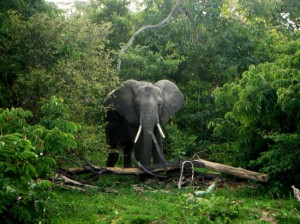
160 130
138 134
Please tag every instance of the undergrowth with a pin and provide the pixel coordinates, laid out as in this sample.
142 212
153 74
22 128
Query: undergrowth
128 199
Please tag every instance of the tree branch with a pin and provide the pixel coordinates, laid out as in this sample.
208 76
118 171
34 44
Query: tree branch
75 183
142 29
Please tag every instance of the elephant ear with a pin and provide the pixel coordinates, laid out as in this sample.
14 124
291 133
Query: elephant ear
173 99
122 100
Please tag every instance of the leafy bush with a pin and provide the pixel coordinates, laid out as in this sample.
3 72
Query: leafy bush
265 117
59 132
26 159
179 145
282 159
23 193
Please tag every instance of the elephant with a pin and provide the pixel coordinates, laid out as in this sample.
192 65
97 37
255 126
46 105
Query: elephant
135 112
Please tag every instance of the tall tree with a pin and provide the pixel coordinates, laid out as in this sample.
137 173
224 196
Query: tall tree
13 16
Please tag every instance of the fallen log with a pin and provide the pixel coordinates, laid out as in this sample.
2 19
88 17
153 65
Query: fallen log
116 170
238 172
226 169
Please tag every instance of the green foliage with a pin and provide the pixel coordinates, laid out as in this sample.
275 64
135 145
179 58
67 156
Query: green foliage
23 193
27 7
26 159
47 55
16 52
62 132
198 106
283 13
76 67
56 115
13 119
265 115
116 13
148 65
282 159
178 145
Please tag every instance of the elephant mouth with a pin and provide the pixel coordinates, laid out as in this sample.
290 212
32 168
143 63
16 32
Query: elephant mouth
140 130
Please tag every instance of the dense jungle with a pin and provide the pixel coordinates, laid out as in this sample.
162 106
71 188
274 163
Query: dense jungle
236 63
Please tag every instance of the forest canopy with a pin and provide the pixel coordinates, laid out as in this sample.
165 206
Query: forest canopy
237 63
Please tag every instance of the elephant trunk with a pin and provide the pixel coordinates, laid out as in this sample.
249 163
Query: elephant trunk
149 121
145 157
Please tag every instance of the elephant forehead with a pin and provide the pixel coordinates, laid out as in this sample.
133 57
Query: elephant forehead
149 90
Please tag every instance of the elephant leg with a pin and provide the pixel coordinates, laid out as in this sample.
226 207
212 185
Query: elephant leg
112 159
112 156
112 142
127 156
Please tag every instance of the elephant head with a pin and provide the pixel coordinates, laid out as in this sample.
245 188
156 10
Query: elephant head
145 106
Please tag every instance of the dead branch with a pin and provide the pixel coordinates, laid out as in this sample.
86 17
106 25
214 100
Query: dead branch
238 172
296 193
75 183
142 29
208 190
180 183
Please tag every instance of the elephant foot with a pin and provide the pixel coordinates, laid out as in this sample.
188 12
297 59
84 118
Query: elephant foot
112 159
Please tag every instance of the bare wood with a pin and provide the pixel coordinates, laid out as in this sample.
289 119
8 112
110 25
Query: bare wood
73 182
238 172
137 171
296 193
180 183
142 29
117 170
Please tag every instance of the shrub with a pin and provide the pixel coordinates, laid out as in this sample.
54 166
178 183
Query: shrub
23 193
179 145
27 159
264 117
